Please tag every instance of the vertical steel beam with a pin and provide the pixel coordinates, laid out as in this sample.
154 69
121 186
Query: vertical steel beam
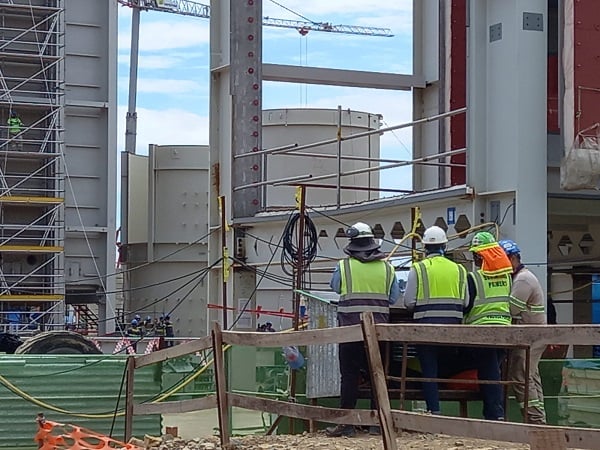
246 92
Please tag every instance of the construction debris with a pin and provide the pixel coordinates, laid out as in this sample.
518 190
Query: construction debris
318 441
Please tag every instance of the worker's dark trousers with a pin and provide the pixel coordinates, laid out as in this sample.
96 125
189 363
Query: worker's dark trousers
353 360
488 362
428 358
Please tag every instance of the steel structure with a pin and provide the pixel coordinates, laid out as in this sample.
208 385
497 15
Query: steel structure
56 173
31 173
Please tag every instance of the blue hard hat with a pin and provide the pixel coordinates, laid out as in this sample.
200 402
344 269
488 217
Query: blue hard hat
134 322
509 247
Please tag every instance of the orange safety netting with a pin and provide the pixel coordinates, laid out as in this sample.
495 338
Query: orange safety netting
58 436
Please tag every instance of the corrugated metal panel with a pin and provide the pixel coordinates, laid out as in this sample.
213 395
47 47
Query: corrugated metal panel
78 383
323 367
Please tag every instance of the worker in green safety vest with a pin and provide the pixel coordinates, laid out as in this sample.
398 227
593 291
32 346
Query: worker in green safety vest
489 293
15 126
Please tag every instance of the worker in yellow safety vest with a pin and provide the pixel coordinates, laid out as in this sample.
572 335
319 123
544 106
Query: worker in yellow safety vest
365 282
436 292
489 295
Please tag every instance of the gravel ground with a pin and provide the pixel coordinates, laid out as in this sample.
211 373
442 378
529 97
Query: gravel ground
320 441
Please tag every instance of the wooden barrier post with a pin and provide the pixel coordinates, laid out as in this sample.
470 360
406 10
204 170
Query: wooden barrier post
130 376
221 381
378 381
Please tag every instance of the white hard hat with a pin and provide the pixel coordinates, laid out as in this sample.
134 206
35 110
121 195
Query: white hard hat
359 230
434 235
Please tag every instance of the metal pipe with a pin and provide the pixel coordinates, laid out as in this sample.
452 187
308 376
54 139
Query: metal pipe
391 166
283 147
131 119
292 147
424 159
338 194
365 158
274 182
357 188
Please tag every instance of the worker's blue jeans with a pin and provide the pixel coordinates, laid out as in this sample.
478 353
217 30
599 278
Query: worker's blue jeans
428 358
488 361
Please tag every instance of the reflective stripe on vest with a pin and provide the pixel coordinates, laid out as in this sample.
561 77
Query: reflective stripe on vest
492 302
441 286
364 288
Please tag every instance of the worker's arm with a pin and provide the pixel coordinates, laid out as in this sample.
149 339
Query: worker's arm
336 280
520 294
410 292
471 293
394 288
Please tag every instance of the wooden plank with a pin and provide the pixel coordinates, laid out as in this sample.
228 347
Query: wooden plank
319 413
173 352
181 406
221 381
490 334
378 382
129 380
282 339
582 438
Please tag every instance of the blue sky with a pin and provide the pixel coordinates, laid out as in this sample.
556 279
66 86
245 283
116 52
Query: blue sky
173 80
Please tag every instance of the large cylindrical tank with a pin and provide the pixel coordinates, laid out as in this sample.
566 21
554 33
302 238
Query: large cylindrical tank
282 127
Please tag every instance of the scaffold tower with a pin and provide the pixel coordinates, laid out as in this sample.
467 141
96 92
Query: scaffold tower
32 285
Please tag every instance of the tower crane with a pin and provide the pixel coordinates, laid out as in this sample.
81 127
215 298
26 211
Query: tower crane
195 9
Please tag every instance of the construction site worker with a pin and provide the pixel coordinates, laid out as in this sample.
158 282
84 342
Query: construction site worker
15 126
135 329
365 282
489 293
148 326
526 308
136 332
169 331
160 331
436 292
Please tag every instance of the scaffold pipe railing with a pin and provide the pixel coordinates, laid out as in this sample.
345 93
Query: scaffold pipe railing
293 147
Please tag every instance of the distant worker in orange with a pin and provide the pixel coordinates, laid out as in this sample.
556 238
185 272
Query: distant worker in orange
489 301
526 308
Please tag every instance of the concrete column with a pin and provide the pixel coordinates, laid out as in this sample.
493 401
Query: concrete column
506 82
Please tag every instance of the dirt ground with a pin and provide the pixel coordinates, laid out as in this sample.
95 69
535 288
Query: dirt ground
318 441
191 426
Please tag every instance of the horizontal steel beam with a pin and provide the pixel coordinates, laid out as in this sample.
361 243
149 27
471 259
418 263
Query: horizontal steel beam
341 77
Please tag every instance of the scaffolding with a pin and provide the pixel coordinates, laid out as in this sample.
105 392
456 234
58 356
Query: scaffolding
32 283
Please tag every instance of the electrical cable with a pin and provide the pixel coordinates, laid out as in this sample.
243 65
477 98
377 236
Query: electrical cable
290 255
114 419
294 12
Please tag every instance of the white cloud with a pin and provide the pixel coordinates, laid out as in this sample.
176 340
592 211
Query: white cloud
165 127
169 86
167 35
152 61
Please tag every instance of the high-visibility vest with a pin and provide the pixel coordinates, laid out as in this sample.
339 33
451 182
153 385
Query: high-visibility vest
441 290
491 305
134 331
365 286
14 125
